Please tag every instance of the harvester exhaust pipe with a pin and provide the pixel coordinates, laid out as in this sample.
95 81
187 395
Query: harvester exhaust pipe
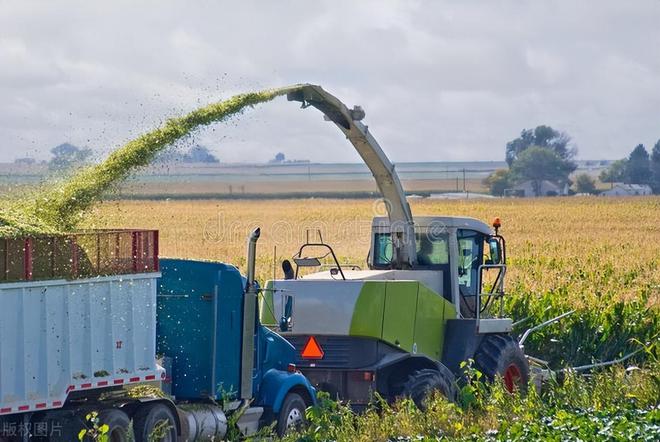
249 317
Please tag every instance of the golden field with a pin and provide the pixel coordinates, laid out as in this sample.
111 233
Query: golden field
551 242
598 255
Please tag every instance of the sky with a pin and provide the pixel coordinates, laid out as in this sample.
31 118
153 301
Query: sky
439 80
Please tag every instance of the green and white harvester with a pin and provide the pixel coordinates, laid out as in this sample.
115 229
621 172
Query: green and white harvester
430 299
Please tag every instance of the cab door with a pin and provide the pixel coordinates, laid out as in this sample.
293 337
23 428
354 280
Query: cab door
470 259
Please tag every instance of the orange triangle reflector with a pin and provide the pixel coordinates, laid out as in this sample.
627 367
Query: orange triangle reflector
312 349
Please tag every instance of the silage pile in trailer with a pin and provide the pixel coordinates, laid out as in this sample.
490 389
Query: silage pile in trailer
61 207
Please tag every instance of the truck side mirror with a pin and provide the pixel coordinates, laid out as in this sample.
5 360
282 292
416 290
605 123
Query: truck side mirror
286 320
495 248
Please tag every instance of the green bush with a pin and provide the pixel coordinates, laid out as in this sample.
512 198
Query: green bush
614 404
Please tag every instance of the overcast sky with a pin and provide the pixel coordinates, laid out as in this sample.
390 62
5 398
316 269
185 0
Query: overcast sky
439 80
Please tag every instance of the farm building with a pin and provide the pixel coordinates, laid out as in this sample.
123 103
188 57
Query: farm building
545 188
621 189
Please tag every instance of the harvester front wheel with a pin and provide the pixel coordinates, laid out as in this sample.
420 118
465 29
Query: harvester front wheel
500 355
422 383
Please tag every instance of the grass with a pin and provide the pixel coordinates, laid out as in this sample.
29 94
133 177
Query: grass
614 405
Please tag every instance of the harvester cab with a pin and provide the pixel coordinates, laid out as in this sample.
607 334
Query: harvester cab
460 258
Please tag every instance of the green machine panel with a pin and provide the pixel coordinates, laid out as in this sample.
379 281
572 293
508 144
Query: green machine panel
430 322
368 314
399 314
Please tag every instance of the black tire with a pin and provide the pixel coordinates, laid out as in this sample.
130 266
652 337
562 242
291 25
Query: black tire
154 418
500 355
292 413
421 383
65 427
118 423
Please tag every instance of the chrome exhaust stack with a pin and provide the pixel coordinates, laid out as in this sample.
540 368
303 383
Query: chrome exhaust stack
249 317
252 256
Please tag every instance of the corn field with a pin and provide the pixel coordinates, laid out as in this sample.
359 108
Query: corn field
597 256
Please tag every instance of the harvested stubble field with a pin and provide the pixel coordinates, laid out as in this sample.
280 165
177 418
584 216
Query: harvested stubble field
600 256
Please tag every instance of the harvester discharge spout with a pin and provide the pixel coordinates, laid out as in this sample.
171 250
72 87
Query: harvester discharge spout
383 171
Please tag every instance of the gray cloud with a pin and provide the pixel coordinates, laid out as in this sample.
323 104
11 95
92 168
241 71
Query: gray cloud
439 80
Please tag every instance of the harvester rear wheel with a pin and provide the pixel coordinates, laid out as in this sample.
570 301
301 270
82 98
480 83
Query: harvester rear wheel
422 383
500 355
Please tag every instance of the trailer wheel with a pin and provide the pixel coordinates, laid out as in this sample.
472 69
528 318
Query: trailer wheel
500 355
154 422
421 383
118 423
292 413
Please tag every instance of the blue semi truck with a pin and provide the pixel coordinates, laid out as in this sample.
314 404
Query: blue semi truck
95 324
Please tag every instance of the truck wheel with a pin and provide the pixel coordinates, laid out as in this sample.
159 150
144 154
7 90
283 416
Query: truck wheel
65 426
154 422
292 413
118 423
61 427
500 355
421 383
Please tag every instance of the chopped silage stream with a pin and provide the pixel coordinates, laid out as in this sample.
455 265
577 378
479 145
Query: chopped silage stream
60 207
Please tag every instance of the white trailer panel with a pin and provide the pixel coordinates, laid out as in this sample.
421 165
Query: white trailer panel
62 336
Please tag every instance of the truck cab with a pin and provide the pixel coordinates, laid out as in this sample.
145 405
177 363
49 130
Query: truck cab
202 314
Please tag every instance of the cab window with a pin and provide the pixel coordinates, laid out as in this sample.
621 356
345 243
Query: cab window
382 250
470 258
432 250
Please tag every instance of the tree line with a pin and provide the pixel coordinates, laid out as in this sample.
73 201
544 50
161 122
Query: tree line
66 156
545 154
537 155
638 168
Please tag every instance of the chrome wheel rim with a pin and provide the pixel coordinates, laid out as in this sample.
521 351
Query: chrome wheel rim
294 418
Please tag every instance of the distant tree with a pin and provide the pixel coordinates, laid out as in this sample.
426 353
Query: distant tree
25 161
67 155
498 181
169 156
638 166
655 168
199 154
538 163
584 183
542 136
615 173
279 158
